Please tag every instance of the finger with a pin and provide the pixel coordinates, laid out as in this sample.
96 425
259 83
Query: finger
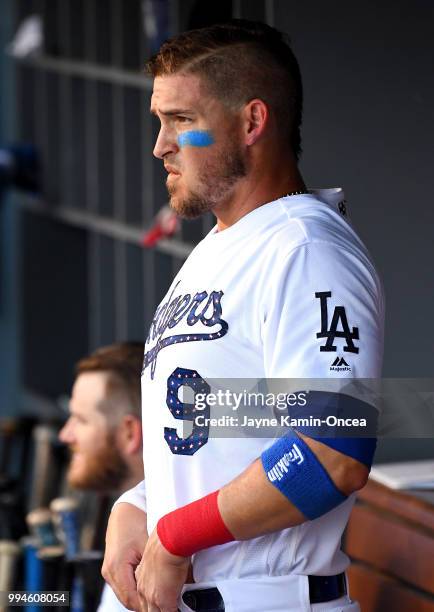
124 586
130 601
161 607
138 571
143 605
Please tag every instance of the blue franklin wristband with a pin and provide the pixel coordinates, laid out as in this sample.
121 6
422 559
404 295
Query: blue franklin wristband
293 469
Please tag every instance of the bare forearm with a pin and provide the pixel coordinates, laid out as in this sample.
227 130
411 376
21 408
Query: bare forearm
251 506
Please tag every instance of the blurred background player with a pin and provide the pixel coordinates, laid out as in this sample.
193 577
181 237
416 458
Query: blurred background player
103 431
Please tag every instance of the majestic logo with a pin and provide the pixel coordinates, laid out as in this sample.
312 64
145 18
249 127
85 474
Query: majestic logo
339 316
280 468
340 365
202 308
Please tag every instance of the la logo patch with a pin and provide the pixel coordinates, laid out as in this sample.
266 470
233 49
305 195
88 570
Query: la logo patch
339 318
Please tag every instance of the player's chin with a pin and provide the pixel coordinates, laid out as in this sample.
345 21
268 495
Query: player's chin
78 472
77 478
189 207
182 210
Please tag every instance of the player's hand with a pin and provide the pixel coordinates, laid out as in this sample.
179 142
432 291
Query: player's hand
125 541
160 577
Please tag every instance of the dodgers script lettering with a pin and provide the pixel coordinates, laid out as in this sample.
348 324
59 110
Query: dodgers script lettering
201 310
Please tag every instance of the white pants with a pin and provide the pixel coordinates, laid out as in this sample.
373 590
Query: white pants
271 594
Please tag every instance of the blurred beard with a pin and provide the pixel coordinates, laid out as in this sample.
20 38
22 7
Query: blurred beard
105 470
217 180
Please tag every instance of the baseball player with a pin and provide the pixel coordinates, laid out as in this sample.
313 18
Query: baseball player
103 429
281 288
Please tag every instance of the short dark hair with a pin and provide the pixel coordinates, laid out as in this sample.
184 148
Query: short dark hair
240 60
123 362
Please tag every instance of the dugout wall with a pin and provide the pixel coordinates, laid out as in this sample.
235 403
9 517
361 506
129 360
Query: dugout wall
84 278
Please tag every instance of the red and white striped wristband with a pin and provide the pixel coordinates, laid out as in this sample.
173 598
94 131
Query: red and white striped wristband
193 527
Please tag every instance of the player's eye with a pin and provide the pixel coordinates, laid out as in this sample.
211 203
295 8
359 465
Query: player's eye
181 119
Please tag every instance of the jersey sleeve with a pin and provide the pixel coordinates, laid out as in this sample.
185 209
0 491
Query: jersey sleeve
325 322
323 315
135 496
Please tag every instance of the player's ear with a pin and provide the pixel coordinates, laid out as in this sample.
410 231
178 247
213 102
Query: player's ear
130 434
255 119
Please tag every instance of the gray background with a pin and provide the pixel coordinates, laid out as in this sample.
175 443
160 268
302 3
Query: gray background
368 126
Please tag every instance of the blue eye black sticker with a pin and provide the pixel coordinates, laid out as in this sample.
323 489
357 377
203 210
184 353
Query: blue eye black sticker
195 138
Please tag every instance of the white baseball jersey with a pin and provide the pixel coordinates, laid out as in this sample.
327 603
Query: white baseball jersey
257 300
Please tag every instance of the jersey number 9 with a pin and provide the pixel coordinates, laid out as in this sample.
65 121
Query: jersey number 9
185 411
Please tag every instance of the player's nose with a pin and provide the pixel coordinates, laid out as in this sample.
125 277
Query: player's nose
165 144
66 434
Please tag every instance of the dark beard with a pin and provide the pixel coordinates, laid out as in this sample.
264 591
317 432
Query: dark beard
218 180
106 470
192 207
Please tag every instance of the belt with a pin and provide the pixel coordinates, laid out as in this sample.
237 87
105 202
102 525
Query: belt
321 589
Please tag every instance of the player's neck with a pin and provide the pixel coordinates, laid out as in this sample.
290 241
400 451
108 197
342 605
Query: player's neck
134 476
260 186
